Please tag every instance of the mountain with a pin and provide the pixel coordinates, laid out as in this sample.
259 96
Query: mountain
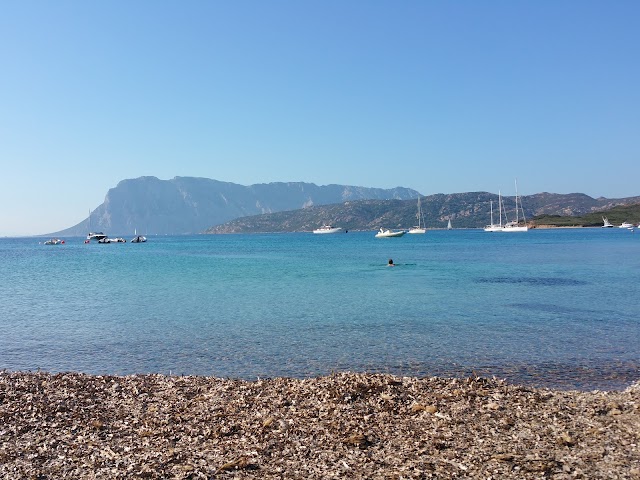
190 205
465 210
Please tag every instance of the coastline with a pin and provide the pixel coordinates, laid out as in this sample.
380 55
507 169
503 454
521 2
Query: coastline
345 425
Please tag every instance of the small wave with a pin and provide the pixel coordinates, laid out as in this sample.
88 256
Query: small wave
534 281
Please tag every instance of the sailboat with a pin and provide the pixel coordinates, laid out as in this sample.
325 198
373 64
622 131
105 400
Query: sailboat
449 227
514 226
492 227
422 226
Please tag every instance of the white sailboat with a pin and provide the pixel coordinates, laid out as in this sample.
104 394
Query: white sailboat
422 226
492 227
515 226
449 227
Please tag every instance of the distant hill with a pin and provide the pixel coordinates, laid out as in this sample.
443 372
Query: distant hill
190 205
465 210
615 215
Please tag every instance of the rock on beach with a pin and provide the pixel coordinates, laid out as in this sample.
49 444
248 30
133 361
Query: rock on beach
346 425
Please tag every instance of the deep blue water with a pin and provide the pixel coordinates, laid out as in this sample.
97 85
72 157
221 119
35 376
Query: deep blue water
554 308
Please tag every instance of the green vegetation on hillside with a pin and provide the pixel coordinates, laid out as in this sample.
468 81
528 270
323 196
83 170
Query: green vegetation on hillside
616 215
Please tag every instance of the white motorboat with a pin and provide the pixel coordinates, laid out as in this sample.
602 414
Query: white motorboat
422 226
96 236
626 225
514 226
607 223
54 241
112 240
386 233
327 229
492 227
138 238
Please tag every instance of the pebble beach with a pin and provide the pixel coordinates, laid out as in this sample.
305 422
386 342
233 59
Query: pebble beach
344 425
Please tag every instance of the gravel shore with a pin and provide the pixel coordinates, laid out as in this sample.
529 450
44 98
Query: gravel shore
344 425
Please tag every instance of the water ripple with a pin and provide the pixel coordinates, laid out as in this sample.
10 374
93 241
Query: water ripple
534 281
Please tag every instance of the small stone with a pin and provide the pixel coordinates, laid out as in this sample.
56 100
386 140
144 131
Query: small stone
504 457
418 407
566 439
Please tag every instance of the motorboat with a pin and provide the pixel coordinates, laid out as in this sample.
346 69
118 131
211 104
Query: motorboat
386 233
96 236
139 239
626 225
327 229
607 223
422 226
112 240
54 241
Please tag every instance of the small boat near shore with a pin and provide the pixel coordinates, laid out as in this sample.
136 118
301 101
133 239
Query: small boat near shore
386 233
139 239
54 241
112 240
626 225
96 236
607 223
327 229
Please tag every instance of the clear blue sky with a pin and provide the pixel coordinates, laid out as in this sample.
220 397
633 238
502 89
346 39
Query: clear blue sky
440 96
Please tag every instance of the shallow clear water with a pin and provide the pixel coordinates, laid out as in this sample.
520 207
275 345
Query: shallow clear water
555 308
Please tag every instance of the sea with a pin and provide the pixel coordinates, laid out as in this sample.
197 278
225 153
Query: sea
553 308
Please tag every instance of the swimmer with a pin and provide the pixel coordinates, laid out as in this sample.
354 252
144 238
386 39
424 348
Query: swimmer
391 264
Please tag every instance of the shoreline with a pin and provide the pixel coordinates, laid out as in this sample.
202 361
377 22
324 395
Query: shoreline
345 425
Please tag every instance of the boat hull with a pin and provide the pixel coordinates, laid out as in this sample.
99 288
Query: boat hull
389 234
417 230
515 229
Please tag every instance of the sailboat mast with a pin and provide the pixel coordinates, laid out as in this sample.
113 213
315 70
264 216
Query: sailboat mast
500 205
517 218
491 204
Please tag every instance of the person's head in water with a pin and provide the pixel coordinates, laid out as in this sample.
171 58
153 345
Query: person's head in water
391 264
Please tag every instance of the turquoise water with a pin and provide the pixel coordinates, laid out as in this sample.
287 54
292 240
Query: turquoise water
554 308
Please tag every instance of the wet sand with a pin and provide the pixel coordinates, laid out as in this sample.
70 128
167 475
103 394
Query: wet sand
339 426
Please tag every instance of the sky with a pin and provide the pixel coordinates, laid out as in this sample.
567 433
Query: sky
439 96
